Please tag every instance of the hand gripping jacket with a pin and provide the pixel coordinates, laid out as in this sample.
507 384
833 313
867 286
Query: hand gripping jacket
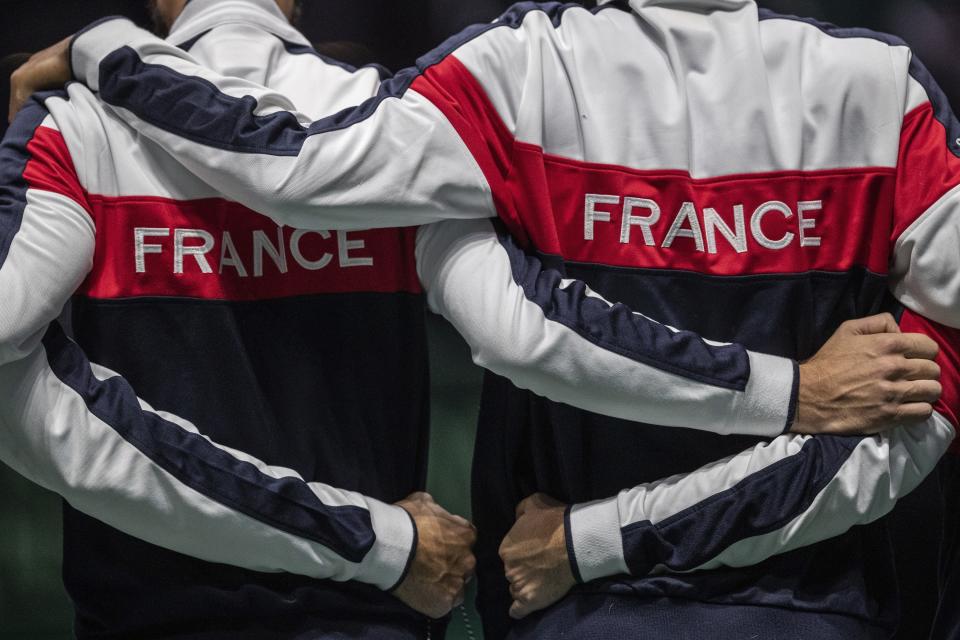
639 179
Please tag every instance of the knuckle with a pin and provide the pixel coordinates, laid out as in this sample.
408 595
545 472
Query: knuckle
892 367
891 411
889 392
892 344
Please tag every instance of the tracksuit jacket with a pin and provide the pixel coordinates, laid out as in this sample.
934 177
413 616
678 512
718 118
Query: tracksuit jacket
611 144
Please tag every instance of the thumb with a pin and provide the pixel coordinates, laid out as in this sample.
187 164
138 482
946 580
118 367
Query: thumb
518 611
881 323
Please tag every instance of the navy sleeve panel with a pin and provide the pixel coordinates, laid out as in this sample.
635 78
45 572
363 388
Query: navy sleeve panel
13 163
617 329
196 110
759 504
287 504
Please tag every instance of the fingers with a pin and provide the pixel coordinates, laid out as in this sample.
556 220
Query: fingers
521 606
924 391
916 369
914 412
881 323
518 610
916 345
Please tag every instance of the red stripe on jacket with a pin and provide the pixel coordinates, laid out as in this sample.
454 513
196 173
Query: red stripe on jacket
217 249
780 222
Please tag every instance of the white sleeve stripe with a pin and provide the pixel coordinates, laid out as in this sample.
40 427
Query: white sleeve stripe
467 274
49 256
796 491
765 385
286 502
48 435
925 273
103 67
879 472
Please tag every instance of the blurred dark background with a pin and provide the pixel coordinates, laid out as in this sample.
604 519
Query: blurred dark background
32 602
399 30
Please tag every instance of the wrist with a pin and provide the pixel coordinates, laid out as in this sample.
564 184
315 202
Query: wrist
593 540
388 562
767 407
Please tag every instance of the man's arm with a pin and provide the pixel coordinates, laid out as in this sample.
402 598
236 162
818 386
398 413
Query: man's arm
80 430
794 491
565 342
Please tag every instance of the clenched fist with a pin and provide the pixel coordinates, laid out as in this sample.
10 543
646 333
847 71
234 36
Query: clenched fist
443 561
535 556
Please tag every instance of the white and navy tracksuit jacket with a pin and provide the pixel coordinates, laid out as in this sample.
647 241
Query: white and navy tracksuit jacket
650 195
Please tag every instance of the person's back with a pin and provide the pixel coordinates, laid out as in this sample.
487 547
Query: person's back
745 181
304 349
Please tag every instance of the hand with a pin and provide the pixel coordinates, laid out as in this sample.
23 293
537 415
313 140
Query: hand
443 562
867 378
48 69
535 556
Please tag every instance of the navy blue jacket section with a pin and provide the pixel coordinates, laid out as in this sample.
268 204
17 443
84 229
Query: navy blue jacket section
332 386
621 331
612 616
941 104
947 622
784 491
194 109
13 162
527 444
284 503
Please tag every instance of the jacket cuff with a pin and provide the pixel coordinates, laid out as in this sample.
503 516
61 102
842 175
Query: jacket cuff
388 562
768 404
594 543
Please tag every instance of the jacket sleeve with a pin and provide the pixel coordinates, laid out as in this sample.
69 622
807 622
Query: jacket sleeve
563 341
925 270
773 498
80 430
797 490
392 160
407 164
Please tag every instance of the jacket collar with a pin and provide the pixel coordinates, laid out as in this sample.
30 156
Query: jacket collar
694 5
199 16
